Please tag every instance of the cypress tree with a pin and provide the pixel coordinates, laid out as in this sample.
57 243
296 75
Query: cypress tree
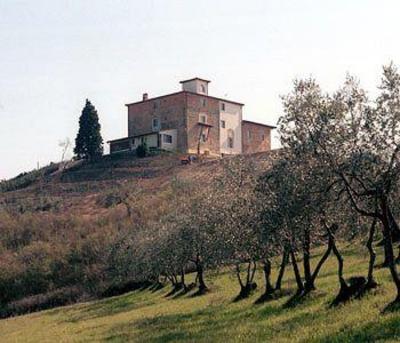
88 142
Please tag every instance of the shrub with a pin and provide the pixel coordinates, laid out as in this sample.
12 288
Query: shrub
59 297
26 179
111 198
142 150
125 287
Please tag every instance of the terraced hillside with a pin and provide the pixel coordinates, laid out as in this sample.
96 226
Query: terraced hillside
76 186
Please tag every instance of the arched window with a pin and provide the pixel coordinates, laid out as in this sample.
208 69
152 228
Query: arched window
231 138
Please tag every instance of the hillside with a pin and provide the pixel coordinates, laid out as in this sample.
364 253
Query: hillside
67 238
67 231
75 188
150 316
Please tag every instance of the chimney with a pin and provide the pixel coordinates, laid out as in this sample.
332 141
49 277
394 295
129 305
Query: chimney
145 96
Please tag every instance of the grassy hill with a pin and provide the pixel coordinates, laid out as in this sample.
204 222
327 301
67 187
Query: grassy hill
151 316
55 215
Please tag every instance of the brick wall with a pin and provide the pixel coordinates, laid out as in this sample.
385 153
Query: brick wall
210 108
169 109
255 137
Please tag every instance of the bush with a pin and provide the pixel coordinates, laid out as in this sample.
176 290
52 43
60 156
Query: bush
109 199
39 302
122 288
26 179
31 204
142 150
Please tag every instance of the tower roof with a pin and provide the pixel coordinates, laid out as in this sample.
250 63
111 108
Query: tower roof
195 78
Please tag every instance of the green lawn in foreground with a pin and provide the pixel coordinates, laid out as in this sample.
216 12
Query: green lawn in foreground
145 316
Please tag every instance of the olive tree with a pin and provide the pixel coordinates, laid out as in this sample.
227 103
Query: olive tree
239 219
357 140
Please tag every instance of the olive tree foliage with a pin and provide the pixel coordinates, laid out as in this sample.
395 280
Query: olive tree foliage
356 141
239 219
186 235
296 209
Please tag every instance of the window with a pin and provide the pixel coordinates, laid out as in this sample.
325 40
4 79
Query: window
223 124
203 102
203 89
154 105
262 137
156 124
167 139
248 135
203 118
222 106
231 136
203 137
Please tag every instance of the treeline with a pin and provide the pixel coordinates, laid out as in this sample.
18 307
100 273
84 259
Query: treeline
336 179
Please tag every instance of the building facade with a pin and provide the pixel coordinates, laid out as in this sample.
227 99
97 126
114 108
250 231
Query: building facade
191 121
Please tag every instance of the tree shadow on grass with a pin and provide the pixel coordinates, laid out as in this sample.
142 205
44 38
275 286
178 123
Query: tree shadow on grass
183 292
103 308
163 328
156 287
393 307
299 299
265 297
200 292
195 326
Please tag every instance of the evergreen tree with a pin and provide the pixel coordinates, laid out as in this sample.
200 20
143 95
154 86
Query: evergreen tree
88 142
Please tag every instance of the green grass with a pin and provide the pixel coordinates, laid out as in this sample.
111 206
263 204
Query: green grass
146 316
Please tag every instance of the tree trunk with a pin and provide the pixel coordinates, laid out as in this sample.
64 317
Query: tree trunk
200 274
372 256
308 282
355 287
394 227
183 279
311 286
247 287
237 266
398 255
339 258
269 289
285 258
388 245
296 271
253 273
394 233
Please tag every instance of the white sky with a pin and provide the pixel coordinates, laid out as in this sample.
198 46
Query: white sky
55 54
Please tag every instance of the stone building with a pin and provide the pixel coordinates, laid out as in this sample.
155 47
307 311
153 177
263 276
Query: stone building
191 121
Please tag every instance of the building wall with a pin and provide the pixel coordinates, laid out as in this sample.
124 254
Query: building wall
169 146
196 107
255 138
121 145
150 140
232 115
195 86
171 112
